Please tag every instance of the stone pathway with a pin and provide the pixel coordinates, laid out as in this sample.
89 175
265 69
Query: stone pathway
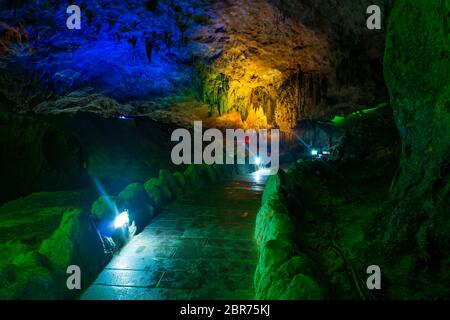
200 247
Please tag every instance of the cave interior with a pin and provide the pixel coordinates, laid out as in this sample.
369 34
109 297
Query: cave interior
86 121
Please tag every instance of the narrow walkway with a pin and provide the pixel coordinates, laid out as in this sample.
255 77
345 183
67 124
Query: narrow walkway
200 247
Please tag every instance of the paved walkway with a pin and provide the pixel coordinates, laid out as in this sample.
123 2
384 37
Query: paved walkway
200 247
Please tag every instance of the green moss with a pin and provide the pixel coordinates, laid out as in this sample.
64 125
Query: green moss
166 177
27 278
195 176
75 242
181 181
104 208
417 72
302 287
347 121
158 193
32 219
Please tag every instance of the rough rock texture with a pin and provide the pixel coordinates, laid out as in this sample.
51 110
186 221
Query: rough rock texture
69 152
282 272
169 180
417 73
282 61
75 242
104 208
158 192
315 218
272 62
36 155
136 201
25 273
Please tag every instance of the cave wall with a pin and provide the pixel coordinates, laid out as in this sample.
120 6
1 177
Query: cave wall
37 154
417 71
276 62
310 59
127 50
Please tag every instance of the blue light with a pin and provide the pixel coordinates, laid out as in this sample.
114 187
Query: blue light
314 152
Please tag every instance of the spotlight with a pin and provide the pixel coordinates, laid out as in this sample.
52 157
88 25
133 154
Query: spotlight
314 152
121 220
257 161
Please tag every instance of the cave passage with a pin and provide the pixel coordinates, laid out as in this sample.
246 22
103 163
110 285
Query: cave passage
200 247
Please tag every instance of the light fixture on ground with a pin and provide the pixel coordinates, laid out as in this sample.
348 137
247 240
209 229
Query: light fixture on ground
122 220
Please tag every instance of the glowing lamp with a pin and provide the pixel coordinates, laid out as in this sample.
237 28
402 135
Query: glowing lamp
121 220
257 161
314 152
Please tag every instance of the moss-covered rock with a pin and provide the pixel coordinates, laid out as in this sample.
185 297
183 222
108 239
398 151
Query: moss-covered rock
417 72
158 193
302 287
181 181
104 208
272 255
282 271
284 274
273 220
75 242
136 201
168 179
25 276
195 177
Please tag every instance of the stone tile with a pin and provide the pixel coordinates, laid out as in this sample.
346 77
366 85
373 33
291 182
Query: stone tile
154 264
196 248
128 278
180 280
98 292
137 250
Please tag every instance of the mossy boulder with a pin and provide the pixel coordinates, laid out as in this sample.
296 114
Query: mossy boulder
302 287
284 274
212 174
75 242
25 276
135 199
271 256
181 181
104 208
195 176
158 192
168 179
274 220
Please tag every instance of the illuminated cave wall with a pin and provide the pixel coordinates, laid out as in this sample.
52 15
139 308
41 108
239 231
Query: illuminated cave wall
127 50
272 62
294 60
